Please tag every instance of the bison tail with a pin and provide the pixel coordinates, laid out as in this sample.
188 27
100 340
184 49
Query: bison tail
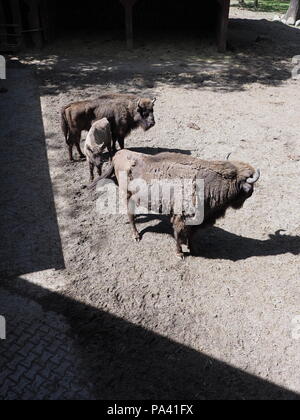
110 171
64 123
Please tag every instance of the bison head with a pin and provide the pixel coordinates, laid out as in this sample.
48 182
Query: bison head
246 187
144 114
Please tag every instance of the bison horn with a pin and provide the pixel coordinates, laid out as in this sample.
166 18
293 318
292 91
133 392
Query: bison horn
254 178
154 100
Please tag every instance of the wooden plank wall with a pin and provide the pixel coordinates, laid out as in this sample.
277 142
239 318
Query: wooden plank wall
39 20
10 25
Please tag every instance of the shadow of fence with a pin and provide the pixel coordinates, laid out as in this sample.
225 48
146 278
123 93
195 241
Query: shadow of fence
260 52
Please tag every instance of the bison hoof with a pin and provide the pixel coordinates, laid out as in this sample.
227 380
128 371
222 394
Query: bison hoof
137 238
181 256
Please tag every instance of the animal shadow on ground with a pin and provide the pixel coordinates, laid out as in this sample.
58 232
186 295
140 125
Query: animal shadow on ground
164 227
155 151
217 243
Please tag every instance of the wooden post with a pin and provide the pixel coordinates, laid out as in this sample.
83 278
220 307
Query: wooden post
223 25
35 23
45 19
128 6
3 33
17 19
129 27
16 11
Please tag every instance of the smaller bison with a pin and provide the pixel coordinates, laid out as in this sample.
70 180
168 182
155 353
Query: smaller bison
226 185
98 139
124 113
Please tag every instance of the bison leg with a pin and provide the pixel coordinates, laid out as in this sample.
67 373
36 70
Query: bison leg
179 227
121 142
92 167
81 155
74 139
136 235
70 148
110 152
179 251
99 169
131 216
70 144
114 148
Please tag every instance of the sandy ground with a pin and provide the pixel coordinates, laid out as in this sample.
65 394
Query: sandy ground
234 303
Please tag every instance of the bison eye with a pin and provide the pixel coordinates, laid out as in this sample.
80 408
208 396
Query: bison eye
144 113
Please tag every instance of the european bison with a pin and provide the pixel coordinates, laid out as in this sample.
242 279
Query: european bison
98 139
226 184
124 113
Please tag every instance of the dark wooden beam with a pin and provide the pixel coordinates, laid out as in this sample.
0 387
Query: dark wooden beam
46 16
17 20
128 6
35 28
16 12
223 25
3 33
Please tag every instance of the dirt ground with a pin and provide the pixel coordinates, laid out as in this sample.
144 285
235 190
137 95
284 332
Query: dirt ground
146 324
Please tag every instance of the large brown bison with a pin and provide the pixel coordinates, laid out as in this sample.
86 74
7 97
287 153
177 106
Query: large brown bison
226 184
124 113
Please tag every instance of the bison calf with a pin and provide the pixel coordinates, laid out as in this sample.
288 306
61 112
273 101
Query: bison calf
98 139
226 185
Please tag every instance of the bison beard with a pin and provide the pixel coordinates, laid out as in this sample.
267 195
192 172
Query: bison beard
227 184
124 113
